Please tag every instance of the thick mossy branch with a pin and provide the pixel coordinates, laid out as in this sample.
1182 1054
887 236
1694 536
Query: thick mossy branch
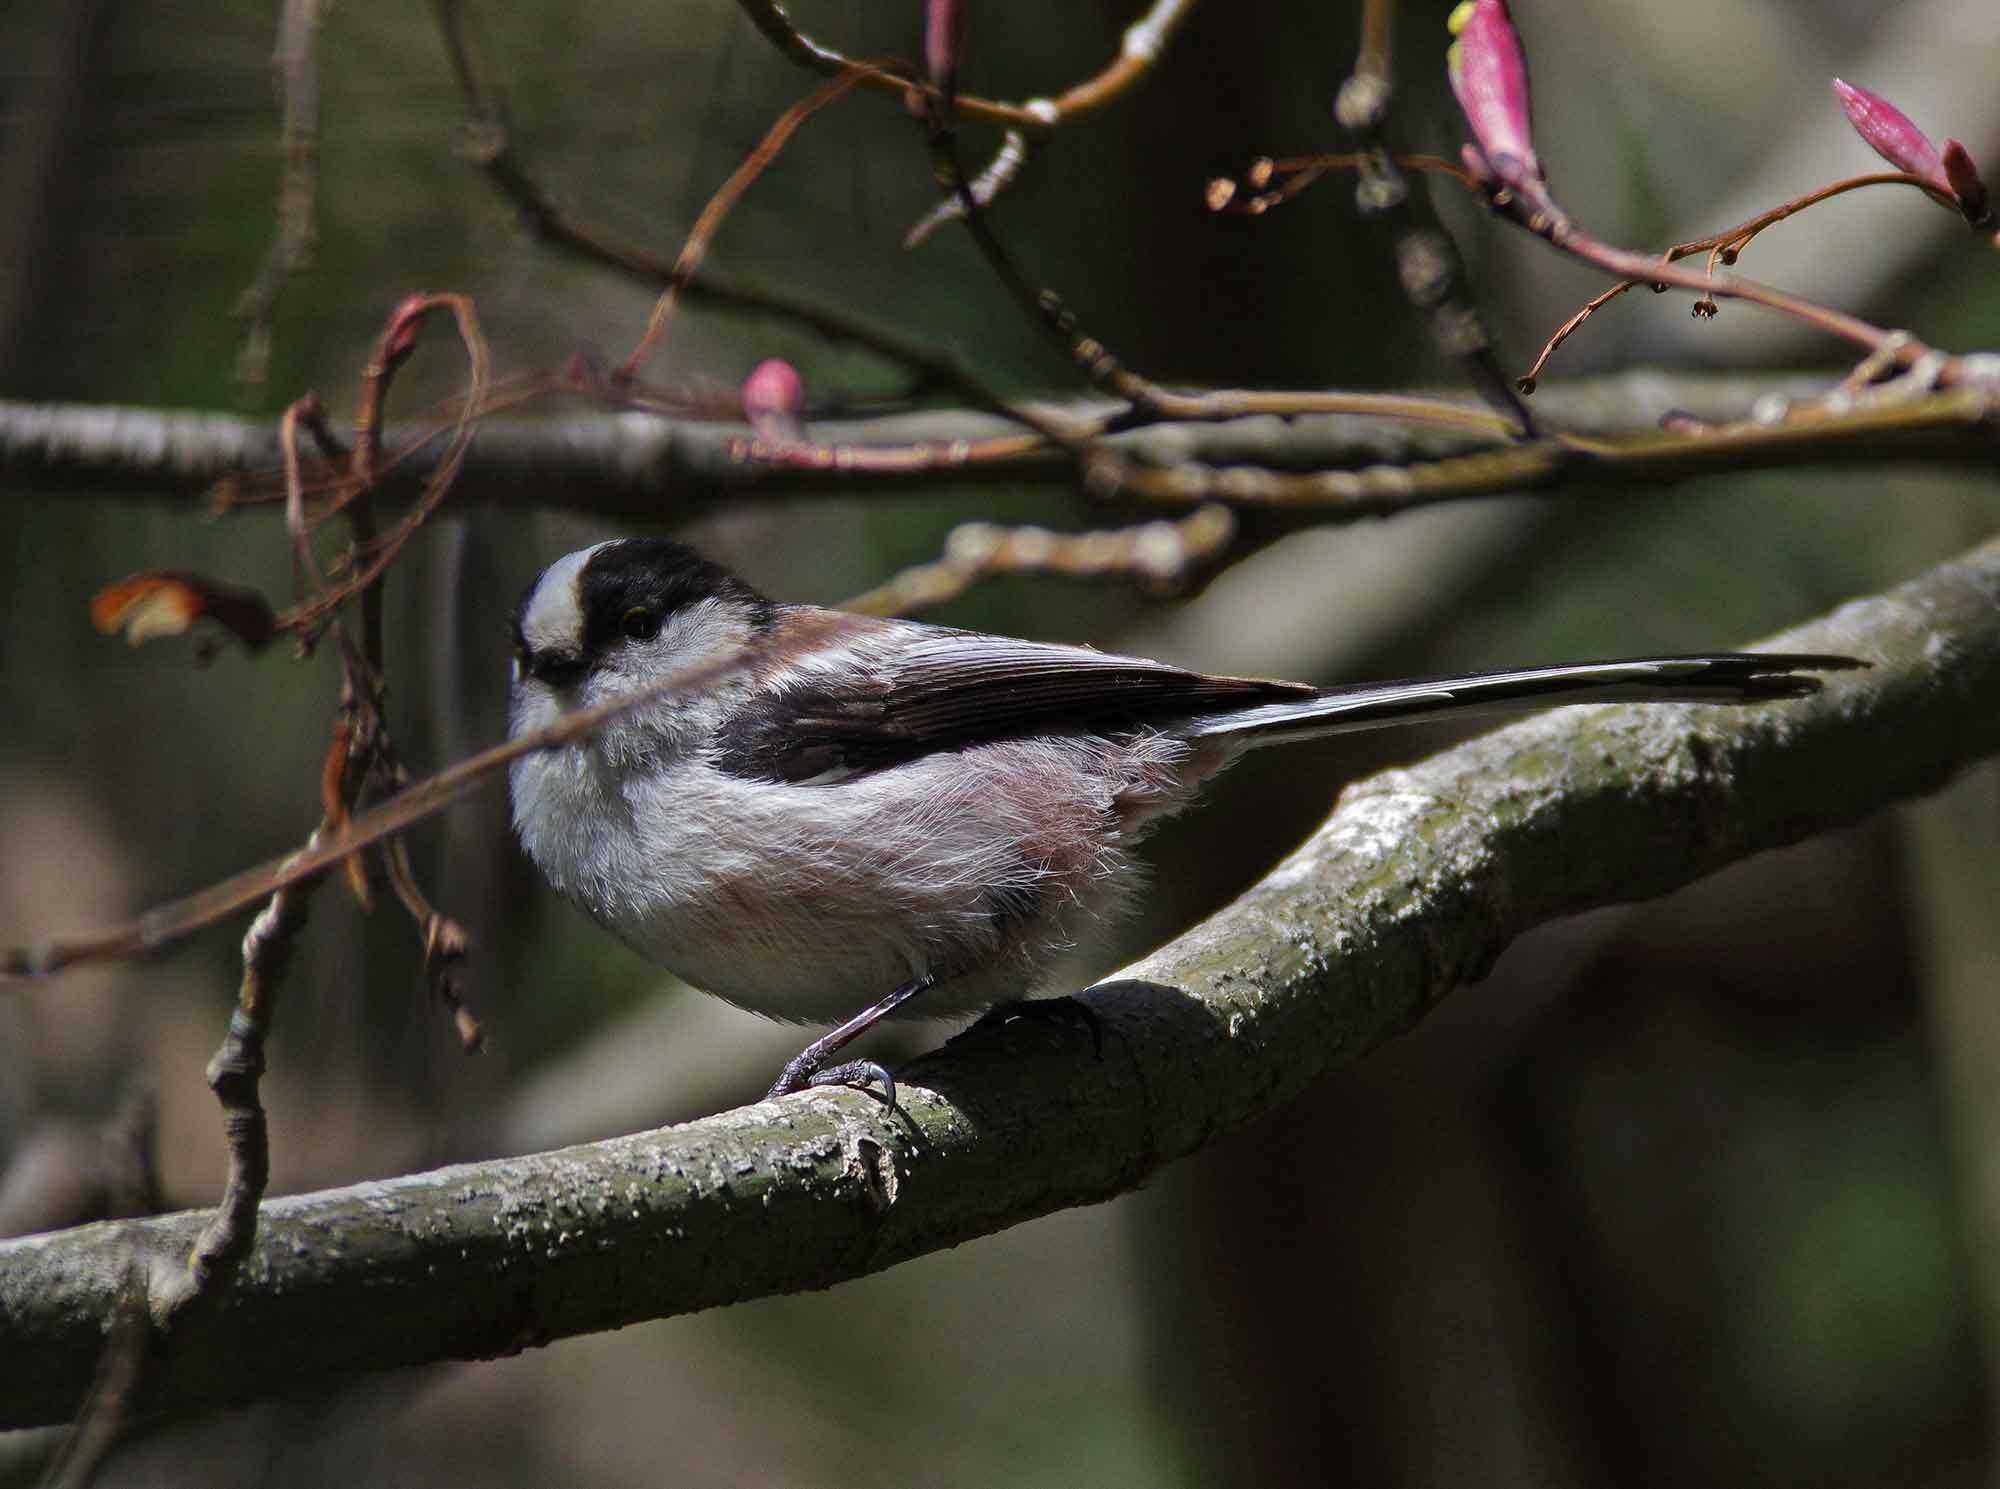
1410 889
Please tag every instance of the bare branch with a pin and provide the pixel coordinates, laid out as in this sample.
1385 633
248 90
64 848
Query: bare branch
661 468
1886 425
233 1074
1411 889
295 69
1140 48
1160 554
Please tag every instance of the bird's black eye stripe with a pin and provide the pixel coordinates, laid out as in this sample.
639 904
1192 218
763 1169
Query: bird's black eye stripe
628 589
555 668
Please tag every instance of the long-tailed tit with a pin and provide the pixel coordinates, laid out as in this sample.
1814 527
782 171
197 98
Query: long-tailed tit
854 817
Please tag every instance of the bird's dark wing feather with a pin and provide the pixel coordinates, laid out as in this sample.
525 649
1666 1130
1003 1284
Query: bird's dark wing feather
895 690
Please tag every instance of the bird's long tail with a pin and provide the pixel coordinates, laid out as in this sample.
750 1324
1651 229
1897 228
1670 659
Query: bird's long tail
1723 677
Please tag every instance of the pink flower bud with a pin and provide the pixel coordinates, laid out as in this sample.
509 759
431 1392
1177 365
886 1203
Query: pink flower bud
399 337
1489 73
773 395
1965 183
1890 134
944 44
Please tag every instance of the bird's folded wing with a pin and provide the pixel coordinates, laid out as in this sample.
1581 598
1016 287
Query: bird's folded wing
892 692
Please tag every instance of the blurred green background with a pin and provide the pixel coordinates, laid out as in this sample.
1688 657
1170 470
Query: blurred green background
1686 1192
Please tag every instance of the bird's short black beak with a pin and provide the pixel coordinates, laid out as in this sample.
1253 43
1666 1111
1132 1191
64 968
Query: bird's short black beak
556 668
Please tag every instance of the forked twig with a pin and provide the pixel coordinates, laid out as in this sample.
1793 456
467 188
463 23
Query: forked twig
492 150
695 248
1143 42
1722 248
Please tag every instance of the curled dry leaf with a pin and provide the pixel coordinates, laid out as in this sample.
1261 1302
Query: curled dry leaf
161 602
333 806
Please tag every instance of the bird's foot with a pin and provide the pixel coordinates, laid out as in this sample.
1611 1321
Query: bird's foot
862 1075
1064 1012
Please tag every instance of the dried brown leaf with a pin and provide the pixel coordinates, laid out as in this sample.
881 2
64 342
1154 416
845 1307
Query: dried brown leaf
161 602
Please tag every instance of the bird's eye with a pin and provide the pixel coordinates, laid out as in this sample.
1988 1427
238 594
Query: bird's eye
640 624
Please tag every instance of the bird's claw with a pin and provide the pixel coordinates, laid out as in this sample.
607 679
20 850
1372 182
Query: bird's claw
860 1075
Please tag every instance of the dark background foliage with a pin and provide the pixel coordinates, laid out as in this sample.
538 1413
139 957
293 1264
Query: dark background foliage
1682 1192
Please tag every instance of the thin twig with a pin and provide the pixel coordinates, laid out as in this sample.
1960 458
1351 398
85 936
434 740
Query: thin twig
1001 171
1723 247
306 618
492 150
1254 195
1427 261
1235 403
1044 306
295 68
1141 46
1370 491
1831 431
695 248
1143 42
1158 554
445 943
234 1073
925 456
365 683
1545 219
1532 207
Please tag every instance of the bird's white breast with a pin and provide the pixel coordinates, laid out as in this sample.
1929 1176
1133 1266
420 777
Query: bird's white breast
808 902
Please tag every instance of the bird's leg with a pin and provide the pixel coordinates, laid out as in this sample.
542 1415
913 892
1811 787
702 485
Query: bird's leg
804 1070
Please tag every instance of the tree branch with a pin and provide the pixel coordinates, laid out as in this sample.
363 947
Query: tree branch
1411 889
1140 48
647 466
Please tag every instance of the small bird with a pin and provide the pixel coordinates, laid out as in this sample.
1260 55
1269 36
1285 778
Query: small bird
844 818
